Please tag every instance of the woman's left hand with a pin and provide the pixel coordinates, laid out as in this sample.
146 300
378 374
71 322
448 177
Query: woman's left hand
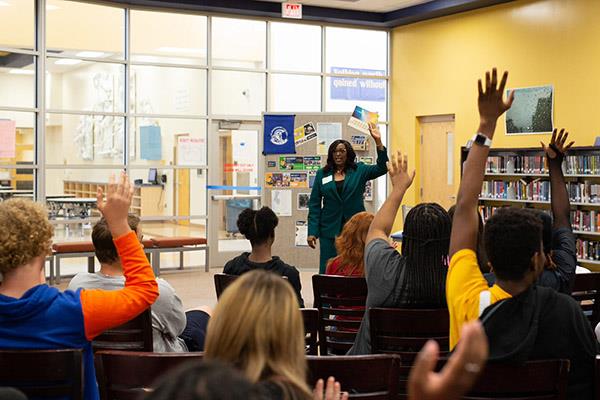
374 130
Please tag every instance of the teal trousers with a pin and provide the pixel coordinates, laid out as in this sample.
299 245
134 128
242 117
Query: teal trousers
327 251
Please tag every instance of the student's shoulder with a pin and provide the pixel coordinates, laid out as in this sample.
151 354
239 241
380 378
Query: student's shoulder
81 280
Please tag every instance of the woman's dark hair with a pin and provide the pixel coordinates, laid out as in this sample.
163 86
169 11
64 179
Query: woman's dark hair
257 225
425 243
350 156
205 380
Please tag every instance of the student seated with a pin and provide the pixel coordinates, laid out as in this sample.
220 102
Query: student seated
523 321
258 328
173 330
417 277
258 226
558 238
34 315
350 246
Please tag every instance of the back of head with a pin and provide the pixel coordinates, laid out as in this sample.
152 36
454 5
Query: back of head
258 226
258 327
512 237
104 247
350 245
425 243
26 233
206 380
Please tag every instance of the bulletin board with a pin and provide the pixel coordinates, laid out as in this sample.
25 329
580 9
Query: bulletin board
293 183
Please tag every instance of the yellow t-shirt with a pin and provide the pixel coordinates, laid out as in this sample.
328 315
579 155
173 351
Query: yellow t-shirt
464 287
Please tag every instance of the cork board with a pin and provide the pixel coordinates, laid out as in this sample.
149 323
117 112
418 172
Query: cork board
285 234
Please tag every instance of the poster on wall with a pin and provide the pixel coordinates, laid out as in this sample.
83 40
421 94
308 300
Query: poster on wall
368 195
8 134
279 134
287 163
299 180
312 163
359 142
303 199
277 179
368 160
305 133
301 234
311 178
366 89
531 112
281 202
191 151
150 142
327 133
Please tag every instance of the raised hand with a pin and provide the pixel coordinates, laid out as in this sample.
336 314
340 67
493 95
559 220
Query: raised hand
333 391
459 373
491 98
557 147
115 207
398 171
374 130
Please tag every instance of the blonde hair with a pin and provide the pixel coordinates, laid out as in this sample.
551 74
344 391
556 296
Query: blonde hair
350 245
258 327
26 233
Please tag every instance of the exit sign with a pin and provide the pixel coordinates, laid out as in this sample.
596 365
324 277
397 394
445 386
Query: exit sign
291 10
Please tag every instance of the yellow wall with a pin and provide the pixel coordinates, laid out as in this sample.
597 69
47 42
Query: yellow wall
436 64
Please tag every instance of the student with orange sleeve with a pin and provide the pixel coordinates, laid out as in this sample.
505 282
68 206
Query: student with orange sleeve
34 315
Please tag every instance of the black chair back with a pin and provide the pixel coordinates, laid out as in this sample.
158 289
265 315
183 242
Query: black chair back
311 329
134 335
43 373
222 281
586 290
341 304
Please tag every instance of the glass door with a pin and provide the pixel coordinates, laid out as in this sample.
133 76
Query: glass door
234 184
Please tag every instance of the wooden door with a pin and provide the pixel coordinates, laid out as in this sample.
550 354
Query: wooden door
181 190
437 170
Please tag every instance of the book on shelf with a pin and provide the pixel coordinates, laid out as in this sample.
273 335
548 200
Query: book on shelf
588 250
585 221
538 190
536 164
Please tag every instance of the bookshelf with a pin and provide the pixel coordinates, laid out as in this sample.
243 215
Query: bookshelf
519 177
148 200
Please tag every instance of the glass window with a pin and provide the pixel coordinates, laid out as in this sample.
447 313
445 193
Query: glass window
166 90
17 182
85 30
20 147
18 23
382 180
238 93
168 37
356 51
295 47
73 84
17 79
295 93
229 51
84 139
343 94
168 141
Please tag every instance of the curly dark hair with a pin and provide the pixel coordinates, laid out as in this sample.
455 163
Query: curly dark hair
350 156
257 225
512 236
425 243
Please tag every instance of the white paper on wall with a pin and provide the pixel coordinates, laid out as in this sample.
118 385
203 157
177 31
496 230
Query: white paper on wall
281 202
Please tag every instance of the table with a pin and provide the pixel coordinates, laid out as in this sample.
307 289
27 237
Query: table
70 207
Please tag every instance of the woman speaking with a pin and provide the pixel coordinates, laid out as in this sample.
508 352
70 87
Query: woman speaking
337 193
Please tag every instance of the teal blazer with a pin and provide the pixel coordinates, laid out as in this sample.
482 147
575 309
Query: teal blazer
327 209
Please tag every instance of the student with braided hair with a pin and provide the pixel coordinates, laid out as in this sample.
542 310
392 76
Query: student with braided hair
417 277
258 226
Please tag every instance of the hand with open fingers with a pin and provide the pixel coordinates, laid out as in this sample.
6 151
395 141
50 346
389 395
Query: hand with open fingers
491 97
333 391
557 148
374 130
458 375
115 207
398 171
312 241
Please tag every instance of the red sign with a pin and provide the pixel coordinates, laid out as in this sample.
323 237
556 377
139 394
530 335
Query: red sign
291 10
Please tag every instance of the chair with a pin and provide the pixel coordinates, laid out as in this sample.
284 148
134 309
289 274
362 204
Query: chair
134 335
373 377
43 373
586 290
124 375
340 301
405 331
534 380
222 281
597 377
311 328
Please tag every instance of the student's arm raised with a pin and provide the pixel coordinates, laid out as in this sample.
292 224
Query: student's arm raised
555 153
104 309
401 181
491 106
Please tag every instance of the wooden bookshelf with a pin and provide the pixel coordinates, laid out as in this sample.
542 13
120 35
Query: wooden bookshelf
578 175
148 200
